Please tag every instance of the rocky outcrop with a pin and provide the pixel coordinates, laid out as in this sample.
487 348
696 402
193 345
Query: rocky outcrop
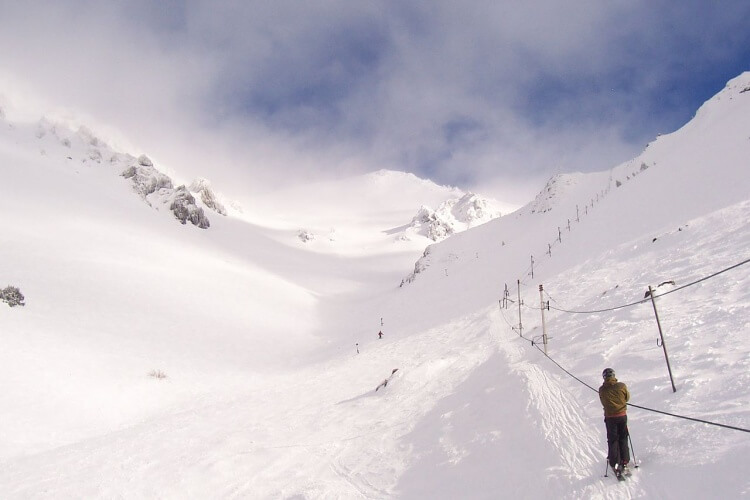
157 190
453 216
202 187
184 208
146 180
422 264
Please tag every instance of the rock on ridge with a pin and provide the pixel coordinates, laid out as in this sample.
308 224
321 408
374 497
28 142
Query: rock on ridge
202 187
146 180
184 208
154 186
422 264
452 216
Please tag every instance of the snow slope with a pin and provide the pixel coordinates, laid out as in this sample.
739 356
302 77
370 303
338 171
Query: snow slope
272 359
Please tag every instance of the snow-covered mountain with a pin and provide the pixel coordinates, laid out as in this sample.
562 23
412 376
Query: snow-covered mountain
371 212
55 141
157 360
453 216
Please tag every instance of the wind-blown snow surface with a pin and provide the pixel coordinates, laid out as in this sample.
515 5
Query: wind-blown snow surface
266 395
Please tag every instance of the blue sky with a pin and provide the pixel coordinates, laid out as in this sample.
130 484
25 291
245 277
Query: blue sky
487 95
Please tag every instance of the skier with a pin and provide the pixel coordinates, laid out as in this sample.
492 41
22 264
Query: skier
384 383
380 335
614 396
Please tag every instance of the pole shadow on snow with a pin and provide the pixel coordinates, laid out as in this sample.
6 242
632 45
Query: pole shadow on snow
368 394
365 395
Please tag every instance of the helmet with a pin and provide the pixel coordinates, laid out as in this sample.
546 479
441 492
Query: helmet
608 372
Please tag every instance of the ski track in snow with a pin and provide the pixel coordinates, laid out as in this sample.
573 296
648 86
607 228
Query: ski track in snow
697 326
577 444
245 449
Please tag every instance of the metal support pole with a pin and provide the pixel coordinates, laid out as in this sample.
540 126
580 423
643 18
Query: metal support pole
661 334
532 267
544 325
520 323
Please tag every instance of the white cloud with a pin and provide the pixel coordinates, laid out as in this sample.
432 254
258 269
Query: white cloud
250 94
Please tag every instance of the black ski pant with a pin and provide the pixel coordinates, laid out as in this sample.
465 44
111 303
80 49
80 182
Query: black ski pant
617 440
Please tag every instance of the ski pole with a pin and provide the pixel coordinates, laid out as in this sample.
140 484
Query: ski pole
635 462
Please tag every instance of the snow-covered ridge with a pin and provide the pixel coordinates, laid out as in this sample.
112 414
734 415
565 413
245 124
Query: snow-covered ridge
384 209
453 216
734 88
56 140
710 126
709 153
558 186
390 178
420 266
157 189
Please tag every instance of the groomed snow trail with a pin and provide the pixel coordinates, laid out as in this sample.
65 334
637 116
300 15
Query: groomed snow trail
703 325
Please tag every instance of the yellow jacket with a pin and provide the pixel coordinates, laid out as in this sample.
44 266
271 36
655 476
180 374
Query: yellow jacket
614 396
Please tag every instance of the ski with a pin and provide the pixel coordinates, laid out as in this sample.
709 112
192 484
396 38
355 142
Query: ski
619 475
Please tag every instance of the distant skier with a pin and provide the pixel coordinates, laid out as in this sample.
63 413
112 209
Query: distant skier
384 383
614 396
380 335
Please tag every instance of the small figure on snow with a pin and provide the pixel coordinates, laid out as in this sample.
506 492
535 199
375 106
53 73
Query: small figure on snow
380 334
614 396
384 383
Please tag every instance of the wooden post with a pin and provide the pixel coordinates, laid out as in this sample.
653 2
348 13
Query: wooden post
661 334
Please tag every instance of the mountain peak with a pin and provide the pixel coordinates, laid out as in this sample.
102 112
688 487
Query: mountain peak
453 215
